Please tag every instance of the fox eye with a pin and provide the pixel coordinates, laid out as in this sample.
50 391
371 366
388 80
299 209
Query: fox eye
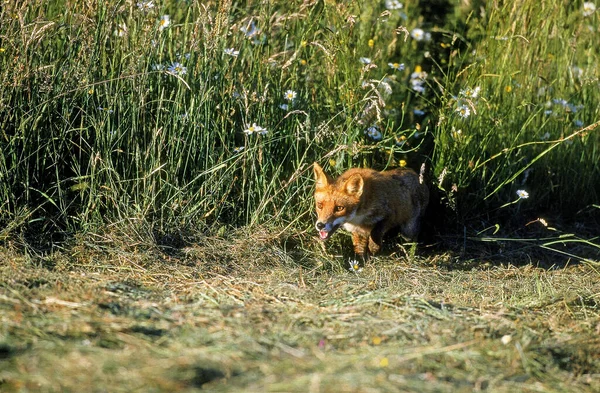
319 205
339 208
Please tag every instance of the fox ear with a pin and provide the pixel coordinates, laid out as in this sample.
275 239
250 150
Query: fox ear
320 176
354 185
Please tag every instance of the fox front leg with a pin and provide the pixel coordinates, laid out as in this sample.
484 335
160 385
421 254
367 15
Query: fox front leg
361 244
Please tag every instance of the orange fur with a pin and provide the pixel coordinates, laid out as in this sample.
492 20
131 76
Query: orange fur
368 204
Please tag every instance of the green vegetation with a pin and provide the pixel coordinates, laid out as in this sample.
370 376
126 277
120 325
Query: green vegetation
156 228
110 114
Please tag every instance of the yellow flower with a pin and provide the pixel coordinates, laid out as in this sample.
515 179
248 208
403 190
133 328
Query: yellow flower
402 163
371 43
508 88
2 50
418 69
302 62
376 340
384 362
332 162
91 91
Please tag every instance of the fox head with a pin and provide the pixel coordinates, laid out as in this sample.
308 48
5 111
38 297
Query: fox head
336 200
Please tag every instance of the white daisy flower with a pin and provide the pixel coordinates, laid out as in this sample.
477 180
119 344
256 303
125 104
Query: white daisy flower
418 34
522 194
365 60
145 5
588 8
177 69
164 22
289 95
470 93
121 30
231 52
254 129
393 4
463 111
396 66
354 266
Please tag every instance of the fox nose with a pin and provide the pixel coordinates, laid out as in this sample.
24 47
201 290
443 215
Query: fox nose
320 225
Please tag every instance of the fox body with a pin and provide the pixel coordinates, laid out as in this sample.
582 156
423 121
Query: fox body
368 204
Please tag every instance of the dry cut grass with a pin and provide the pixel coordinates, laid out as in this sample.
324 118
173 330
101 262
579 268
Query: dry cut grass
248 314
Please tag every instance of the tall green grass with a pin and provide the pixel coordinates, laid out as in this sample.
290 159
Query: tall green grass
96 130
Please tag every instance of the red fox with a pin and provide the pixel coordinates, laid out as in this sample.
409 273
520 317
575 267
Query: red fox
368 204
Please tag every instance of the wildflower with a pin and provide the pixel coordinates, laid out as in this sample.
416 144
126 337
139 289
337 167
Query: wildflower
177 69
354 266
393 4
402 163
164 22
250 30
522 194
506 339
185 56
573 108
420 35
255 129
285 107
400 140
417 80
577 72
548 112
588 8
578 123
396 66
417 34
371 43
545 137
289 95
418 112
365 60
145 5
239 149
463 111
456 134
373 133
231 52
107 110
470 93
121 30
417 86
560 101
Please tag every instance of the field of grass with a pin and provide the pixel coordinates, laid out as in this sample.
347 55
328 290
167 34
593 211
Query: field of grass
243 314
156 212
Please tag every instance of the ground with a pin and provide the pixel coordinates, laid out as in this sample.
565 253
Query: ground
249 313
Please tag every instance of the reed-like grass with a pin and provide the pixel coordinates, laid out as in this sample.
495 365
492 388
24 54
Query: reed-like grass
98 128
